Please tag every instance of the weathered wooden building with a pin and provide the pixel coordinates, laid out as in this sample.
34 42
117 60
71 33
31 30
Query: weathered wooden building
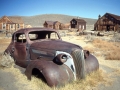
78 23
108 22
11 23
52 24
27 26
64 26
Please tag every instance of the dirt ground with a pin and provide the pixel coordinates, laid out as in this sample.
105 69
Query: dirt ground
14 79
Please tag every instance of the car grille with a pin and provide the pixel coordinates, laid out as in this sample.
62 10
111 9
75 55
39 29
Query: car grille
78 57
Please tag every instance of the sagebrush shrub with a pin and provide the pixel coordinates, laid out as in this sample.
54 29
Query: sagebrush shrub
109 49
6 60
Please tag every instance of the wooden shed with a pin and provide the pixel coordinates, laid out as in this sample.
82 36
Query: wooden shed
52 24
11 23
64 26
108 22
78 23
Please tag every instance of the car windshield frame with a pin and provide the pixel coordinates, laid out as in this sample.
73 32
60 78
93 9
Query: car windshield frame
43 35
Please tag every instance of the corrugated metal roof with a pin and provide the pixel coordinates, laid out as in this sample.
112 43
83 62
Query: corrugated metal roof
15 19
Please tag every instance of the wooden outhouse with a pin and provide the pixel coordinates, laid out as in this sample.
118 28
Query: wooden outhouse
78 23
108 22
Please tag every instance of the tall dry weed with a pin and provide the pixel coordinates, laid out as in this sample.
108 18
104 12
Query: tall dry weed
4 42
6 60
21 81
109 49
89 82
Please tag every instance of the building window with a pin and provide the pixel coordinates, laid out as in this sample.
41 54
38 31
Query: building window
83 27
11 25
4 26
73 22
79 26
18 26
112 19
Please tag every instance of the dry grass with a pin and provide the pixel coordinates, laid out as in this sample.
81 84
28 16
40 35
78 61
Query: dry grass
89 83
4 42
6 60
108 49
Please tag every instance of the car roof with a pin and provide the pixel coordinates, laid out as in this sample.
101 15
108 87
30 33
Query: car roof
27 30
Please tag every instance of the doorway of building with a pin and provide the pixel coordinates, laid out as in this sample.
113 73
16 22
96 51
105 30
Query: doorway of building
108 27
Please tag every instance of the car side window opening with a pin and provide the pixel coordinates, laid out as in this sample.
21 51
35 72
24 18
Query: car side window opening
20 37
37 35
54 35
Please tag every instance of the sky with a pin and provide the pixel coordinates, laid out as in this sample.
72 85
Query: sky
79 8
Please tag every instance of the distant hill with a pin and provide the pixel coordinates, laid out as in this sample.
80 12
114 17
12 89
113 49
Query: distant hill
38 20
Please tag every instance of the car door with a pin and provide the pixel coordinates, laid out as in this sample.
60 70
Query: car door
20 50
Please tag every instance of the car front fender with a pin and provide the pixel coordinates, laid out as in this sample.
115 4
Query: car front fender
55 75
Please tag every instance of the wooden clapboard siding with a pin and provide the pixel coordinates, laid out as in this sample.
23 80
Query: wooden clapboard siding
108 22
11 23
52 24
78 23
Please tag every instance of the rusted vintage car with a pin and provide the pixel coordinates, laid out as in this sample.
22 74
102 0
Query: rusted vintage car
43 53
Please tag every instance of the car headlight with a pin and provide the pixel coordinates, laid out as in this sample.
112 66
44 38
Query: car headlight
61 58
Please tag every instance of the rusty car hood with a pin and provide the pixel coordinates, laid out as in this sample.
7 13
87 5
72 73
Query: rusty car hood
54 45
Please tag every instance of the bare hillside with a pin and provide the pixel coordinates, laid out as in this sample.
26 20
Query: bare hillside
38 20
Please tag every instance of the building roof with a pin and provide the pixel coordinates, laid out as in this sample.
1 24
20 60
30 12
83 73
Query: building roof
114 16
51 22
78 20
15 19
